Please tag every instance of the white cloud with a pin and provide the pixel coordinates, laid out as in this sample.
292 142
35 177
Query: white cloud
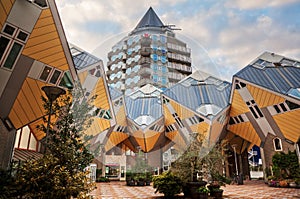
216 33
251 4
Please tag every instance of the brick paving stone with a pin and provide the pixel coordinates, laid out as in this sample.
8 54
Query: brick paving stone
253 189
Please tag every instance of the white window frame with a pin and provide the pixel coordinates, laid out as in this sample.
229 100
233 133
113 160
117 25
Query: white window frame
274 144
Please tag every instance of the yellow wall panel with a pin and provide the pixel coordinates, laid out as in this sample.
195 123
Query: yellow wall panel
150 133
46 13
177 108
37 133
288 123
121 116
51 58
186 113
21 113
28 50
202 128
102 98
115 138
27 89
246 131
150 142
168 116
7 5
104 124
46 52
215 132
43 30
13 116
30 98
141 143
264 98
44 22
26 106
82 76
60 64
38 52
3 16
238 105
50 36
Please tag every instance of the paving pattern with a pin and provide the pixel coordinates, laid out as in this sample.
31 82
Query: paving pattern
250 190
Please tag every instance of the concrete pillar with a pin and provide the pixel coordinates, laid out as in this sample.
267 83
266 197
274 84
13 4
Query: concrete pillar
7 141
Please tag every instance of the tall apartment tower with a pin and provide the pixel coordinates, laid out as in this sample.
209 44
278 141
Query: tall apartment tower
150 54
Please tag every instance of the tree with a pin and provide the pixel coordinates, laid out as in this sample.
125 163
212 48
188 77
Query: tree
189 163
60 173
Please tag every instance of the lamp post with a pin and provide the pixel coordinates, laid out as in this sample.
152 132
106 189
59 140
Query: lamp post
52 93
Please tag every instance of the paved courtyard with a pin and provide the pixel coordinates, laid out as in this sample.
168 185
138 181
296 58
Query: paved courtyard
250 189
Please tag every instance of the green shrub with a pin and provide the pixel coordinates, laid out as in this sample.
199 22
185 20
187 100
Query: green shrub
102 179
203 189
167 183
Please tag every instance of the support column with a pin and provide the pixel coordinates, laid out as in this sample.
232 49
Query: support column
7 134
262 154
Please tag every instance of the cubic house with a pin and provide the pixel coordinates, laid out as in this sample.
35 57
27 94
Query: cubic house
149 102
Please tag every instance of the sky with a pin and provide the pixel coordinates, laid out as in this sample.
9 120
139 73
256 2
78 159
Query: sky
224 35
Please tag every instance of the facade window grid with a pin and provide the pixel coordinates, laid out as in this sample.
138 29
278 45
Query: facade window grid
236 119
52 75
254 109
31 138
170 128
178 120
282 107
12 42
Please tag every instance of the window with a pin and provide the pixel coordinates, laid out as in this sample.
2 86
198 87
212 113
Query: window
163 39
66 80
13 55
283 107
22 36
163 80
154 67
25 139
277 109
3 45
255 110
55 76
9 30
155 78
178 120
10 48
44 76
41 3
292 105
277 144
163 59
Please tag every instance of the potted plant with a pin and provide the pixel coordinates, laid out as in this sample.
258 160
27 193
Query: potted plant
283 183
188 166
167 183
130 179
216 192
202 192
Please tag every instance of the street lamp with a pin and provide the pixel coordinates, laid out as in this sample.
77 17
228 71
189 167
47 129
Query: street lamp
52 93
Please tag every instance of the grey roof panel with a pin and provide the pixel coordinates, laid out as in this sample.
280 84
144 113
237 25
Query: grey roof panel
279 79
195 95
150 19
84 59
143 106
